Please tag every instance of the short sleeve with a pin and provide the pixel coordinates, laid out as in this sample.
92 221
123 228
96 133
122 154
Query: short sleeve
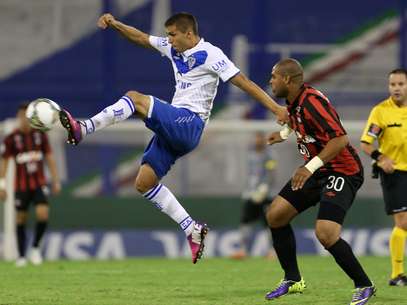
6 148
222 66
374 127
161 44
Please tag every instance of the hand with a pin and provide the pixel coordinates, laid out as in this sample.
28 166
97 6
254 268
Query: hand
3 195
282 115
56 188
275 137
386 164
301 175
105 21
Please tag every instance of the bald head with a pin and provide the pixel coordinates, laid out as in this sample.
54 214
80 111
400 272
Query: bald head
291 68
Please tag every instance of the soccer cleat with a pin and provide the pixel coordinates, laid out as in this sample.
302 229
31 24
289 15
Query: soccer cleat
286 287
362 295
196 240
72 126
35 256
21 262
400 280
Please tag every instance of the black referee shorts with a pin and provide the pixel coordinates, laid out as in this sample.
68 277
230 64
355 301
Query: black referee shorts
394 188
24 199
334 191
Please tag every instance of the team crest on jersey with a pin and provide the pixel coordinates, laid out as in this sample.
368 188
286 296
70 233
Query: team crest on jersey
374 130
191 61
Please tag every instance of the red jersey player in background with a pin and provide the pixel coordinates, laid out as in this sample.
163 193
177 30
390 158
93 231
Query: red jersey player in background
331 175
29 148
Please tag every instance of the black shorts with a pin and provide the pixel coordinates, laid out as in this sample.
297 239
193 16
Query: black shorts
394 188
23 199
255 211
334 191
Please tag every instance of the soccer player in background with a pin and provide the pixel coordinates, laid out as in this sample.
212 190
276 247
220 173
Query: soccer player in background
387 124
178 126
257 194
331 176
29 148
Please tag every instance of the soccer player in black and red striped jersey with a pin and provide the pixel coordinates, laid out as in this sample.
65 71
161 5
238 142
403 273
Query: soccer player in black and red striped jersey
331 175
29 148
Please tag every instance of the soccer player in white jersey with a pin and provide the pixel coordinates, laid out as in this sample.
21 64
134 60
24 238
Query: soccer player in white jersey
178 126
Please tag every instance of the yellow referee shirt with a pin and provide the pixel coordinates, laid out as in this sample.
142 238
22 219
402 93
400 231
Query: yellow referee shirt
388 124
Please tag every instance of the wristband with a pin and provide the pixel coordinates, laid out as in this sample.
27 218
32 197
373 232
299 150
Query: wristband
2 184
314 164
375 154
285 132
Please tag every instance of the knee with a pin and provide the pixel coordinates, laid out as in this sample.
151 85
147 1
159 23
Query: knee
141 185
21 218
135 96
326 237
273 220
42 214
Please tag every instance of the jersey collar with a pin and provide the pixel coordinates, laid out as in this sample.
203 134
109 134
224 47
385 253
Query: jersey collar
192 50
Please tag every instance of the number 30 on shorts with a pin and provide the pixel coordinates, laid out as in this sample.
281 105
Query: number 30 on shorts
335 183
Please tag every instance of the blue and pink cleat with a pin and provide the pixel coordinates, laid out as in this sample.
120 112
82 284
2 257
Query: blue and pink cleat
196 240
72 126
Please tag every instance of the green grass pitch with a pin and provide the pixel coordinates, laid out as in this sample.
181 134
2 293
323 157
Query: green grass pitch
159 281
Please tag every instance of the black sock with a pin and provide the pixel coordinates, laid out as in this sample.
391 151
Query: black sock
345 258
40 228
285 247
21 239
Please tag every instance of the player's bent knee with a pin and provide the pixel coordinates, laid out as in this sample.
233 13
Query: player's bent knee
326 237
142 186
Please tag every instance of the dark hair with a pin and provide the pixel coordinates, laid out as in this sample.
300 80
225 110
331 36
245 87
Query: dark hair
23 106
399 71
183 22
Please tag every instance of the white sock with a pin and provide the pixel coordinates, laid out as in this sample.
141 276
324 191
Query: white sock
165 201
112 114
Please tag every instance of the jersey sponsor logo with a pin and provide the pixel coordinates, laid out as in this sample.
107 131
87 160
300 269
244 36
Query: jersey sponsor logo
374 130
220 66
303 150
30 156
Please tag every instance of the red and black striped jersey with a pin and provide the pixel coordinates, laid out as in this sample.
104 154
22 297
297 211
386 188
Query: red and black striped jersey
28 151
315 122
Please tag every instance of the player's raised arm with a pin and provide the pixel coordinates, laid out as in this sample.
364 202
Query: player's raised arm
242 82
131 33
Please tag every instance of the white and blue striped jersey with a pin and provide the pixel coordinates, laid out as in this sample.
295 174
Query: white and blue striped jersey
197 72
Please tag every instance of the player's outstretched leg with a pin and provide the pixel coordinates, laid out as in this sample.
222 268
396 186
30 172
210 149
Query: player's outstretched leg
121 110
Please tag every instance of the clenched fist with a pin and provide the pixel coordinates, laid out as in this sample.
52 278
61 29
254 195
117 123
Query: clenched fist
105 21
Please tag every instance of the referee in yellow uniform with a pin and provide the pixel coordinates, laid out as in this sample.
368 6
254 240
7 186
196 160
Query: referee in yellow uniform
387 124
